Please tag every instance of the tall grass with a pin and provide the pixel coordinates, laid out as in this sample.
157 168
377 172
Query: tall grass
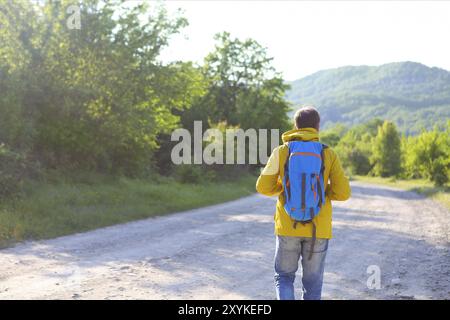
68 205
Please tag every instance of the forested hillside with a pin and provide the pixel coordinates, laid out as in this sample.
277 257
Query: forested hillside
410 94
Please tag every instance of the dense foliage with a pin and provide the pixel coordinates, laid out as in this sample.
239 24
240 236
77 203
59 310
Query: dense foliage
97 98
376 148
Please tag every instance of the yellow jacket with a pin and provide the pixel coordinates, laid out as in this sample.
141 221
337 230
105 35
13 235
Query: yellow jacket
270 184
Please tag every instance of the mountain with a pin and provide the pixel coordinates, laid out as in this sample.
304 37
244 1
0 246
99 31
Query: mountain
411 94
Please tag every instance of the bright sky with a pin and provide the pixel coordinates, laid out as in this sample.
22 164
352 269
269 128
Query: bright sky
305 37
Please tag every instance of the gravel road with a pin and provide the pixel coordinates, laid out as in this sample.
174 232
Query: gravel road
226 252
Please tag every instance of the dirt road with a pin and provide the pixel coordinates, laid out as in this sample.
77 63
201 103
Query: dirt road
226 252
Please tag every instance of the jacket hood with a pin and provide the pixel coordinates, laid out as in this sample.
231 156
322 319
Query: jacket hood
304 134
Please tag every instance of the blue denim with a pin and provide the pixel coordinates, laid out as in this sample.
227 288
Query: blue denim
288 252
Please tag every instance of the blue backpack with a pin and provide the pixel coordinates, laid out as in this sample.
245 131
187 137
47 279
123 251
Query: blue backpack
303 182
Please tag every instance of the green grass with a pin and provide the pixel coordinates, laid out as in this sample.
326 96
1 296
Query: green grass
421 186
60 207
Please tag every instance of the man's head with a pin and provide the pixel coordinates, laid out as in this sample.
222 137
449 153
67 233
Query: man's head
307 117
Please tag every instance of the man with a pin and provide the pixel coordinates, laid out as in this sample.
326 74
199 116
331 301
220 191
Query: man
305 241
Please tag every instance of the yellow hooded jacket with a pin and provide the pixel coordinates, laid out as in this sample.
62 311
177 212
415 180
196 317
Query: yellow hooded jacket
270 184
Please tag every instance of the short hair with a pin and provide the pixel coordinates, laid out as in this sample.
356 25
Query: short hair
307 117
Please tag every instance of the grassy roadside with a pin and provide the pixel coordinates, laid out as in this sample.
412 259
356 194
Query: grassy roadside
57 208
440 194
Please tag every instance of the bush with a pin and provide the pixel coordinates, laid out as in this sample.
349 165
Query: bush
359 162
197 174
354 150
428 156
14 169
189 174
386 151
439 172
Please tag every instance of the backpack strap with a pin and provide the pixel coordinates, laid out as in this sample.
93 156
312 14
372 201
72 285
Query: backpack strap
319 191
303 190
322 167
286 173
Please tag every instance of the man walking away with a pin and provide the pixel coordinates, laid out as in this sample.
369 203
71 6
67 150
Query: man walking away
305 175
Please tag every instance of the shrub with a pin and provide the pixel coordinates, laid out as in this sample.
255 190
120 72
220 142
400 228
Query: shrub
189 174
439 172
359 162
386 155
428 156
15 167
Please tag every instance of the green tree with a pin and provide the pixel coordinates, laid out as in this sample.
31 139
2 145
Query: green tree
97 97
428 156
386 156
354 150
333 135
244 89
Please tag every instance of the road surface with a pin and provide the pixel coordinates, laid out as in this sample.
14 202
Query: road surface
226 252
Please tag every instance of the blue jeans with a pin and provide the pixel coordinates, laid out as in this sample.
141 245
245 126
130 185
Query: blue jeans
287 254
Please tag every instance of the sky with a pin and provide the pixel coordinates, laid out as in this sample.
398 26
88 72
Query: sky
304 37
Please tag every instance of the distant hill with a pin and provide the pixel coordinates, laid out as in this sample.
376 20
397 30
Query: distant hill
411 94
